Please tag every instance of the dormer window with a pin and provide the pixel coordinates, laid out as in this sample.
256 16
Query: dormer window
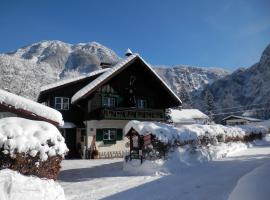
141 103
61 103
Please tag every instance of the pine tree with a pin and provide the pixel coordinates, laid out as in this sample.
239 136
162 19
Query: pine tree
209 103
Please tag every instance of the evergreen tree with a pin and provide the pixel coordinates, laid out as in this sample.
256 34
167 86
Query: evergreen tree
209 103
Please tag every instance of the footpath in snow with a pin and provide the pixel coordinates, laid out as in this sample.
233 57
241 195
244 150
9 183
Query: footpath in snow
234 177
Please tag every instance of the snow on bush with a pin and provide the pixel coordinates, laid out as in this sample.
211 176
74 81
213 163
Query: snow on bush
182 157
14 186
18 135
36 108
168 133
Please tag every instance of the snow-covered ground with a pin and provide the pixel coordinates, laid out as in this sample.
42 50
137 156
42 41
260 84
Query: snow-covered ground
234 177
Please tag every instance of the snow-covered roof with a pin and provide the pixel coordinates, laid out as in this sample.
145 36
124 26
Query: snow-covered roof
17 104
71 80
186 115
110 73
242 117
19 135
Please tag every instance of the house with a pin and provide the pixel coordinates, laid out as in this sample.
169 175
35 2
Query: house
188 116
233 120
12 105
97 106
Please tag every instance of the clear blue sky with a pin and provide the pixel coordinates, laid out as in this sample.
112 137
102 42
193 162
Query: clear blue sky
224 33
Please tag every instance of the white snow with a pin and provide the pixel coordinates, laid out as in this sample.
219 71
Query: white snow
28 105
23 135
105 179
182 157
110 73
15 186
169 133
70 80
187 115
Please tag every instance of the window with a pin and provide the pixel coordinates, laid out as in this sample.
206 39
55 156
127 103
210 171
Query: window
109 135
61 103
108 102
141 103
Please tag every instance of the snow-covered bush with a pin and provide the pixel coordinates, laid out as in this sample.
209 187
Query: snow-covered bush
14 186
31 147
166 138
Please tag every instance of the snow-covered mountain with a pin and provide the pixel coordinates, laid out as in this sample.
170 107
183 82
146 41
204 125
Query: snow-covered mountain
26 69
185 80
82 57
244 87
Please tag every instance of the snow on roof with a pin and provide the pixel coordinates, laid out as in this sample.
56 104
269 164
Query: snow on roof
185 115
168 133
70 80
28 136
34 109
242 117
88 88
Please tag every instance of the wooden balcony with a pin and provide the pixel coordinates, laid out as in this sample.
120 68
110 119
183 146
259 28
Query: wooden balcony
129 114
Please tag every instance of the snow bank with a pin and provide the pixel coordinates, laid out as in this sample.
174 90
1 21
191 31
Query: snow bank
168 133
14 186
18 135
183 157
28 105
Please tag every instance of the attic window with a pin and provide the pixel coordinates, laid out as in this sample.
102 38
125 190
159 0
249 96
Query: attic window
61 103
108 102
141 103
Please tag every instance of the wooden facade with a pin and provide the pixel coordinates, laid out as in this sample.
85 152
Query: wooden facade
131 93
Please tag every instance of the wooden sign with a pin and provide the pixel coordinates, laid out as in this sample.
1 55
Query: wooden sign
147 140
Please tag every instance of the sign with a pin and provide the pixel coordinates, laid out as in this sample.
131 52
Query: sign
147 140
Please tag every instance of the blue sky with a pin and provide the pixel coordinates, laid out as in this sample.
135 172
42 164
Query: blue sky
211 33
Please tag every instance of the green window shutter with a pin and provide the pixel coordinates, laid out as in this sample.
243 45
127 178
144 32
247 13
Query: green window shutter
99 135
119 134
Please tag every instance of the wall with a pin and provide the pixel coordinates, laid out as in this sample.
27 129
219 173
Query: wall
108 150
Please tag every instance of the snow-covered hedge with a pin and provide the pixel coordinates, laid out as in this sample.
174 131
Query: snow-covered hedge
168 133
31 147
14 186
18 135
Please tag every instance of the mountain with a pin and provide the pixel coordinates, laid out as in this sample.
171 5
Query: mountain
28 68
246 87
188 80
25 70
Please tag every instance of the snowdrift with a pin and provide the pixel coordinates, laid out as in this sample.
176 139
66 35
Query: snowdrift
31 147
14 186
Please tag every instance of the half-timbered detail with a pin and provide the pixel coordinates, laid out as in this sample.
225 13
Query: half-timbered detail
102 103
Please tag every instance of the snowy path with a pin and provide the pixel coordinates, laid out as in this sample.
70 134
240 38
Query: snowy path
84 179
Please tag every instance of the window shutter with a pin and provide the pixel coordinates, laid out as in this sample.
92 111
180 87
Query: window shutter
119 134
99 135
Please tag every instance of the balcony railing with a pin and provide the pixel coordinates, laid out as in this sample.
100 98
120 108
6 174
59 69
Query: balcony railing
132 113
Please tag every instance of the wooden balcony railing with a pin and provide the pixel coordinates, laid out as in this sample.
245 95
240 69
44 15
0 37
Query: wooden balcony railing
132 113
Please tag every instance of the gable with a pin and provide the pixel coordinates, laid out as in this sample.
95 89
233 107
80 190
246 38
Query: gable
121 75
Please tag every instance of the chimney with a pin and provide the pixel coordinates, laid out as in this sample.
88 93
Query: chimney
105 65
128 52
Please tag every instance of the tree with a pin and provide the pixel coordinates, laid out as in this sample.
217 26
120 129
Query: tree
209 103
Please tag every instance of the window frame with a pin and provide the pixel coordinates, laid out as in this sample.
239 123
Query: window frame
109 132
140 105
108 103
61 104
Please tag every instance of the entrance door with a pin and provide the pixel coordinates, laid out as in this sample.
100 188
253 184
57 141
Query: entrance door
70 139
